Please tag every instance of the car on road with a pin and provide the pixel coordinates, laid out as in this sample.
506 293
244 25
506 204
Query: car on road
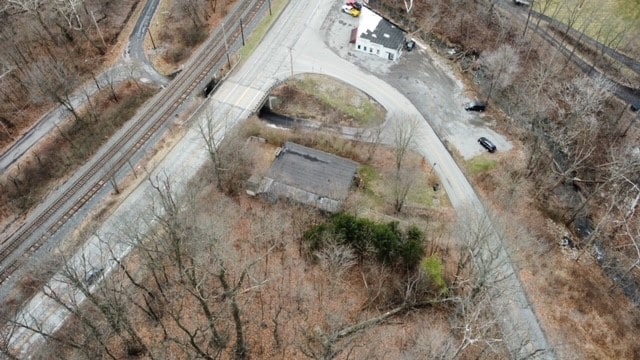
487 144
476 106
522 3
93 275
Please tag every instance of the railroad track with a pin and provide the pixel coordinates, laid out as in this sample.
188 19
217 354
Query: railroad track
159 112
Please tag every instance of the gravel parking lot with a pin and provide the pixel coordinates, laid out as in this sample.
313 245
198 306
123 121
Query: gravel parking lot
426 80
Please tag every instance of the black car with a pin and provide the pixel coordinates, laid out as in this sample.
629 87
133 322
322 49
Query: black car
475 106
635 106
487 144
93 275
409 45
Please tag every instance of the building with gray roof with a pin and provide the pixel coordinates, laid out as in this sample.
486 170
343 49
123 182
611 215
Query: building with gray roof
307 176
378 36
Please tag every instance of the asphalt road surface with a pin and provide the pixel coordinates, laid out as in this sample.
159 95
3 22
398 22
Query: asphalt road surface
294 45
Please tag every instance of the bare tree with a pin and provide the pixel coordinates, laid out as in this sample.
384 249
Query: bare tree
228 153
502 65
73 14
81 275
404 129
54 81
408 5
193 257
401 186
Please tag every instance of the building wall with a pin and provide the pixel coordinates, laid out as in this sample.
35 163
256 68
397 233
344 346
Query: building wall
366 46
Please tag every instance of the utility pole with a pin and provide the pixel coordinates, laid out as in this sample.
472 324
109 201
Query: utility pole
270 8
151 37
242 32
291 60
526 25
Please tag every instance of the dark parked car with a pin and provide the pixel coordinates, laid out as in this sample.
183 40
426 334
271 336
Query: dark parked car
635 106
487 144
93 275
410 45
475 106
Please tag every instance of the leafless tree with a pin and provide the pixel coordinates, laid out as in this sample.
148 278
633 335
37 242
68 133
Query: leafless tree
74 15
81 276
192 257
502 65
193 9
482 291
54 81
401 186
408 5
404 129
35 8
228 153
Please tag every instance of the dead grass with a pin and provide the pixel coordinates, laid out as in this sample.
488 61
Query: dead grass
55 158
290 300
18 107
177 33
328 100
585 315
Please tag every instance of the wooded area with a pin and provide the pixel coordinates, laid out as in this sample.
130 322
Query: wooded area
578 164
279 280
49 48
270 280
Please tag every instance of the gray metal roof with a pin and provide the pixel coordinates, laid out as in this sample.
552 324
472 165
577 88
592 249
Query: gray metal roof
385 34
311 176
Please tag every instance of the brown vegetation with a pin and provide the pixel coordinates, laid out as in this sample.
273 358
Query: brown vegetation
36 34
180 26
327 100
235 277
574 166
68 147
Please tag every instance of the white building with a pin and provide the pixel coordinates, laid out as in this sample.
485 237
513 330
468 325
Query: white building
378 36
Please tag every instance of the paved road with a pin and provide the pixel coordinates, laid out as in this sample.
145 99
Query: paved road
133 65
296 36
135 50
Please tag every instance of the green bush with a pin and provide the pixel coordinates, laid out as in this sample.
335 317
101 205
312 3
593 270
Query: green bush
434 271
387 243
